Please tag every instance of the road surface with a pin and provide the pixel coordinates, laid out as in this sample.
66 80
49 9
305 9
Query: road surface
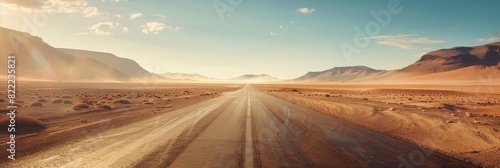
246 128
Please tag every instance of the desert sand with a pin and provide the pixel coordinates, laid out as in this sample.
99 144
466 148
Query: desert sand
54 113
462 121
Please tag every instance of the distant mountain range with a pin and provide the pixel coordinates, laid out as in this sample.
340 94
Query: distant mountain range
38 60
201 78
256 78
187 77
127 66
456 58
458 63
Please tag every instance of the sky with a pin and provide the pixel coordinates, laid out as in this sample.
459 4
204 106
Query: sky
282 38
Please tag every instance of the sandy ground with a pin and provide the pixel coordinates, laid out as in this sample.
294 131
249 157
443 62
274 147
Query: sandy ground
72 111
462 121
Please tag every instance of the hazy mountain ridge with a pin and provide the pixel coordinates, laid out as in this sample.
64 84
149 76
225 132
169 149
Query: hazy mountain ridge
127 66
202 78
189 77
255 78
37 59
457 63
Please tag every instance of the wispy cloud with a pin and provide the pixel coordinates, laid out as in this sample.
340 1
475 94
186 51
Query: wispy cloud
135 15
494 38
491 39
58 6
306 10
156 27
404 41
27 4
161 16
102 28
125 29
389 36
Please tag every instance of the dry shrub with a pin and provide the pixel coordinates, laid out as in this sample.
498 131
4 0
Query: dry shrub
105 107
67 97
21 120
122 101
57 101
36 104
89 102
24 124
42 100
80 106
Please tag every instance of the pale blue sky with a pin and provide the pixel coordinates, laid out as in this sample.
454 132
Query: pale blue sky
283 38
